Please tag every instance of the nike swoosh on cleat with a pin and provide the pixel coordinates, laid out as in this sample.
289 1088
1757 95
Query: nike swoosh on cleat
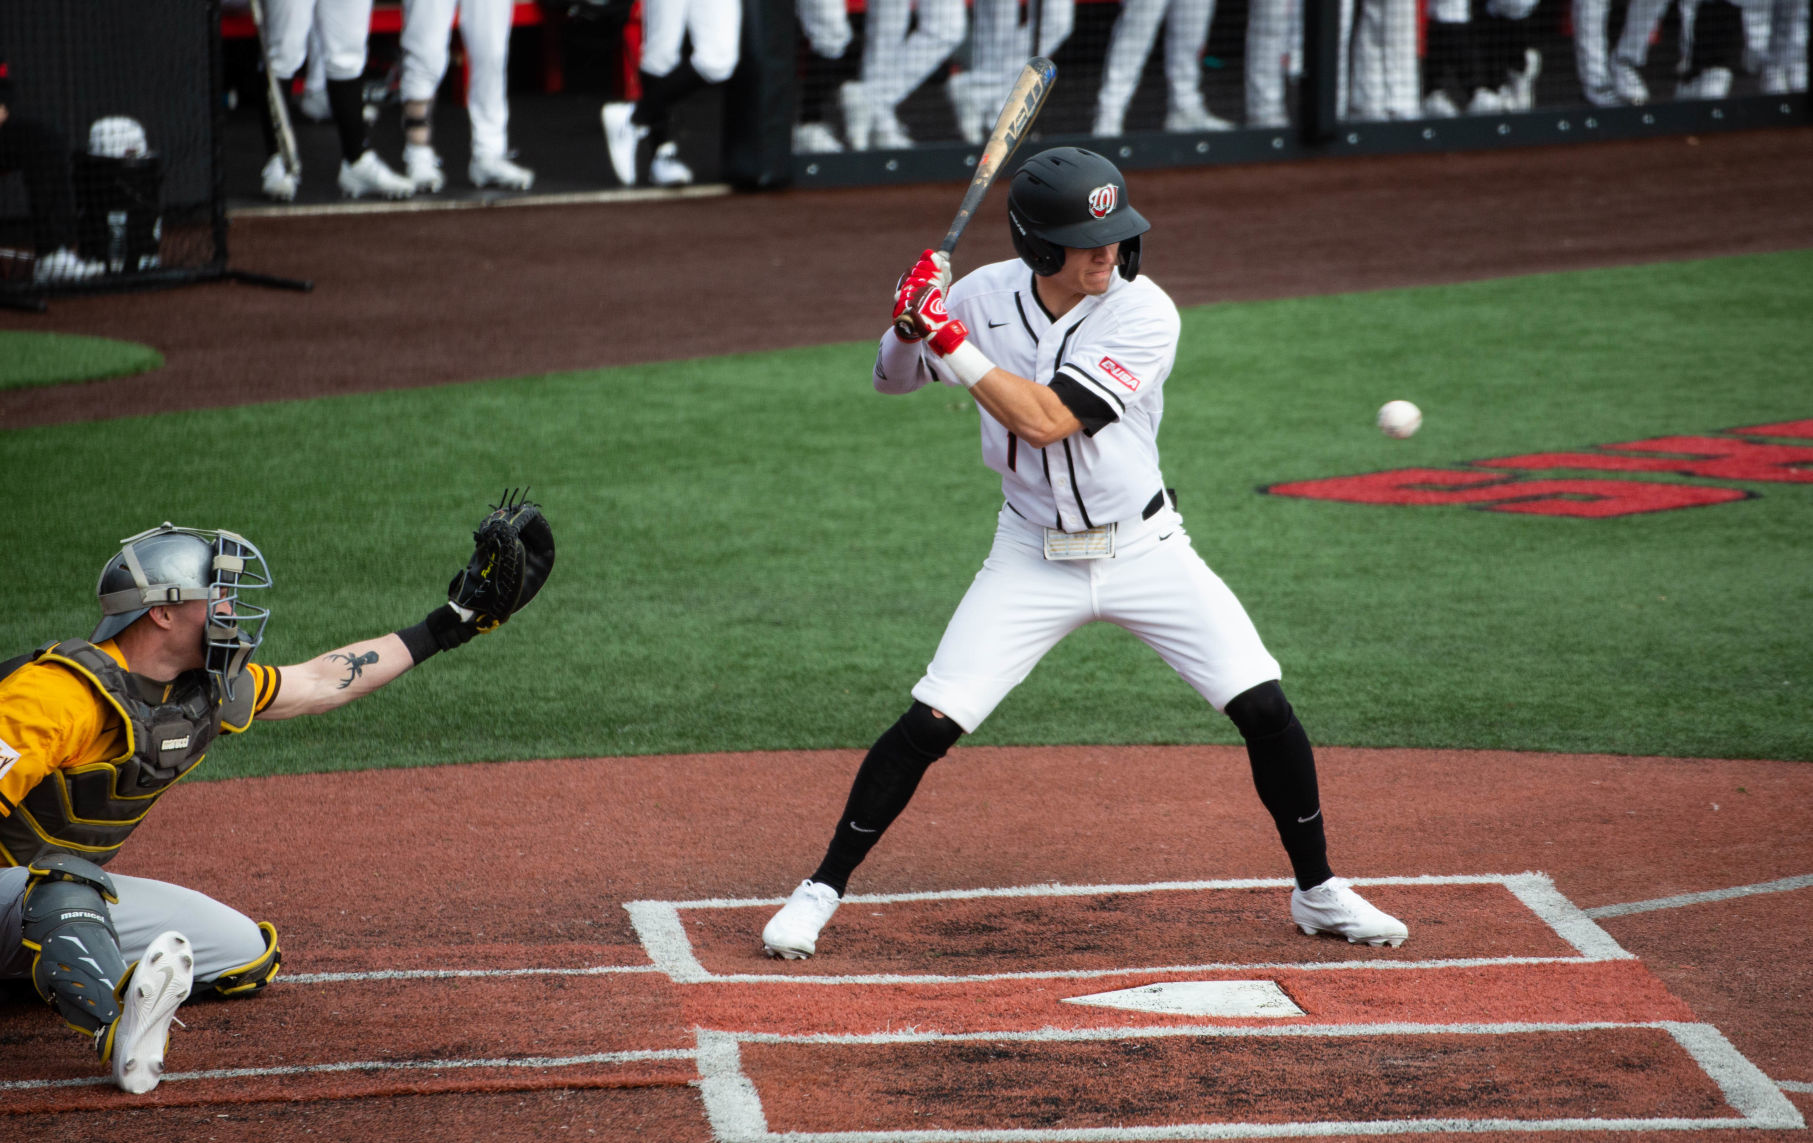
859 829
1300 821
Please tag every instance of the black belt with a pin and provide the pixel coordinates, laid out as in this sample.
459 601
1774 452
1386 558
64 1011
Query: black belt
1158 501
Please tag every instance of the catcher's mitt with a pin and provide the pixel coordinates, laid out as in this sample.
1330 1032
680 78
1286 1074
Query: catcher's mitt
513 554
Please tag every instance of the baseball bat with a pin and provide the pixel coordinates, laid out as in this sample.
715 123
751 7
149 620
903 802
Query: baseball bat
1011 126
277 105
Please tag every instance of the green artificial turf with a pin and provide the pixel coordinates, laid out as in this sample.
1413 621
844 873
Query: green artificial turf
760 552
53 358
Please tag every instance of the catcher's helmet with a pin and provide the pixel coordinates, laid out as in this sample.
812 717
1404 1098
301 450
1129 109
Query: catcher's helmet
1069 197
167 564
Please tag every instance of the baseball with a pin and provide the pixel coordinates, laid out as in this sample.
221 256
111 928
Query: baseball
1399 419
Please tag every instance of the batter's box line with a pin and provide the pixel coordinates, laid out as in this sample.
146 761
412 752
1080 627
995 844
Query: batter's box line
734 1107
670 951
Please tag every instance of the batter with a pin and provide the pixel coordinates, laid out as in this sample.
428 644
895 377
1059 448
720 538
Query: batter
1067 351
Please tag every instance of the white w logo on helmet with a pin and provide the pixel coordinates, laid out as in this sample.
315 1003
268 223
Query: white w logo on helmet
1103 199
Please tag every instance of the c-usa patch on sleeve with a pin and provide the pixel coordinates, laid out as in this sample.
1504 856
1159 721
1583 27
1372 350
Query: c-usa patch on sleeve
1119 372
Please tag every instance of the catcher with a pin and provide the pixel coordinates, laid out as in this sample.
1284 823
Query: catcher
93 732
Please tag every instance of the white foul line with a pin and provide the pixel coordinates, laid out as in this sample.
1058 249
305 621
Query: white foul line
457 973
1709 895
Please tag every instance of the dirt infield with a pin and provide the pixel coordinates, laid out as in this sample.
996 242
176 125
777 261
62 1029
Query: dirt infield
547 949
445 950
417 299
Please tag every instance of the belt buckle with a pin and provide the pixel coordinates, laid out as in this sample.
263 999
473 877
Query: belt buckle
1090 544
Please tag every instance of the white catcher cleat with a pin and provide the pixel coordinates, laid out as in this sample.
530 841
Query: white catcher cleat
792 933
1333 907
158 985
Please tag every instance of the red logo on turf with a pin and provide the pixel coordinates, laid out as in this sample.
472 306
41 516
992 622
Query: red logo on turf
1118 371
1104 199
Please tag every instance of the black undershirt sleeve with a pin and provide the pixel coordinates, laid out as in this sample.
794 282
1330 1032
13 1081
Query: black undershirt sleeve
1091 410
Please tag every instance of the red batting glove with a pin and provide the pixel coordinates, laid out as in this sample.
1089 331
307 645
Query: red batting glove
931 272
943 332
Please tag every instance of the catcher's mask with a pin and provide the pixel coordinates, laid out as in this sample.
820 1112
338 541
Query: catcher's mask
167 564
1069 197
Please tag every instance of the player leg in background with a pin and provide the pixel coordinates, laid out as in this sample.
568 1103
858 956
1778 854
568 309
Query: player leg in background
313 103
889 76
1135 31
1160 589
1457 52
1785 61
485 29
1272 28
41 154
1018 607
288 25
1641 20
714 27
1712 46
1510 51
1186 34
1591 58
1000 45
427 29
345 26
830 63
1385 75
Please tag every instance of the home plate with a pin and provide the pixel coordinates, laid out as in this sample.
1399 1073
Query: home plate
1199 998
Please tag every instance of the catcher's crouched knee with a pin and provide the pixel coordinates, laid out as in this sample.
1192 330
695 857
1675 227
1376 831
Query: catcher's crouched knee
251 976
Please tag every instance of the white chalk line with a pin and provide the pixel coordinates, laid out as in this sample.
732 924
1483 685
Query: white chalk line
457 973
734 1109
1711 895
542 1063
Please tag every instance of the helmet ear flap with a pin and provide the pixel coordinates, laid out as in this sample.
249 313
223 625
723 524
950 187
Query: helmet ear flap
1129 257
1044 257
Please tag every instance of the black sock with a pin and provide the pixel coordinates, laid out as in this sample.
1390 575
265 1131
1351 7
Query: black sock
884 784
659 95
1284 774
346 99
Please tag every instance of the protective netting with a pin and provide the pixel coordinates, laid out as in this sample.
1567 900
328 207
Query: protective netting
882 74
108 146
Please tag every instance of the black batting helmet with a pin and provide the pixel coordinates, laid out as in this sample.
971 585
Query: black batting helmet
1069 197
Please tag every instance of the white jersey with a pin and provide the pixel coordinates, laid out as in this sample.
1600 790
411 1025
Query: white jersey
1108 359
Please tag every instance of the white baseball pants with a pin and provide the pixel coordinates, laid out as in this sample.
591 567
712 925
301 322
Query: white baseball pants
223 938
826 24
1386 81
485 31
344 26
1156 586
715 27
1274 40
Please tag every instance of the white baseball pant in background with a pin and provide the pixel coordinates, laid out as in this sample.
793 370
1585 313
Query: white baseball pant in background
1274 42
895 62
485 32
1135 29
714 26
344 26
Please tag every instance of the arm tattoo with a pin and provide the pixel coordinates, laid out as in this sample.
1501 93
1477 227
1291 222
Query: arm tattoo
355 666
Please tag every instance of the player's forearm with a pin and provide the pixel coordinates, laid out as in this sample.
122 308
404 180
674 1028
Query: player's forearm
899 366
332 680
1030 411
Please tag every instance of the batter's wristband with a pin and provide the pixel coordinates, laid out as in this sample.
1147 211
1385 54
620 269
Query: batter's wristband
968 363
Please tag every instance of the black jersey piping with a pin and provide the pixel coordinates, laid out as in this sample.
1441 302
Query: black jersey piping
1076 489
1041 301
1084 375
1024 320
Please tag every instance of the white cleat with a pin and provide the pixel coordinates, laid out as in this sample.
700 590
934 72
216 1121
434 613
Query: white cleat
620 139
1439 104
1194 118
792 933
65 265
371 176
859 115
815 139
1627 83
666 169
1333 907
159 984
278 181
890 133
422 167
499 171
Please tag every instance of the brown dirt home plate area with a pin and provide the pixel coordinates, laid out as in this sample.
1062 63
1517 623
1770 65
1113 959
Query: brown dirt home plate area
1074 943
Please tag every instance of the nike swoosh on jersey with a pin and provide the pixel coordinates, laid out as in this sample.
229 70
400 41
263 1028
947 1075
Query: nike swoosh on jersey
996 324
